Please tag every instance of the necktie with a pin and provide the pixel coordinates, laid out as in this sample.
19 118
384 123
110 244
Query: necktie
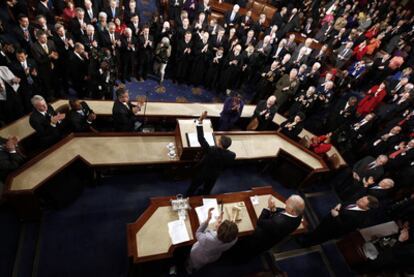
405 119
90 14
45 48
395 154
91 39
112 38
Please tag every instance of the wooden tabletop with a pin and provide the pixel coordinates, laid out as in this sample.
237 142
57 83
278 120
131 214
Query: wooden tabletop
142 246
131 149
22 129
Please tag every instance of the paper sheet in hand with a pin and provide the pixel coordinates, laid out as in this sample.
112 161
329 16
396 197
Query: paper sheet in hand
193 140
202 211
178 231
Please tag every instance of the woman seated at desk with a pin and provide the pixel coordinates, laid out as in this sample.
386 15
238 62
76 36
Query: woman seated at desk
211 243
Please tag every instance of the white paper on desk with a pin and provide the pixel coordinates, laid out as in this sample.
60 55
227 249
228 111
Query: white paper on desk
202 211
193 140
255 200
178 231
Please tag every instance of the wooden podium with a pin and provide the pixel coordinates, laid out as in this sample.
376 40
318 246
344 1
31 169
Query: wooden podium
185 127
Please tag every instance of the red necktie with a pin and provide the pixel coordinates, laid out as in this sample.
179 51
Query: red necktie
394 154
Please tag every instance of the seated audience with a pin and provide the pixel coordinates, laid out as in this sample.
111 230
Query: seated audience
80 116
124 113
47 123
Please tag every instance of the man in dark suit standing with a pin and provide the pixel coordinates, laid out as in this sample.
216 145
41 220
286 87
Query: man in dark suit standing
264 113
215 160
25 69
273 225
124 112
10 156
45 55
342 114
78 69
24 32
146 46
80 116
128 52
232 17
113 11
46 122
342 220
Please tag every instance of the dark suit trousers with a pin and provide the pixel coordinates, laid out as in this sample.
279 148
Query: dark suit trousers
200 180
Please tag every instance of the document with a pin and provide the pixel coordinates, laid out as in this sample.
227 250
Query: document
178 231
202 211
193 140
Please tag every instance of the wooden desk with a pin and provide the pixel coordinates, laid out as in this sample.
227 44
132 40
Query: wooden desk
335 158
22 129
148 238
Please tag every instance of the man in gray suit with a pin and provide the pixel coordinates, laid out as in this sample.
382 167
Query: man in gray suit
344 53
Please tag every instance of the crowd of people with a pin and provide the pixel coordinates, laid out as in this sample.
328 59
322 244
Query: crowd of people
340 69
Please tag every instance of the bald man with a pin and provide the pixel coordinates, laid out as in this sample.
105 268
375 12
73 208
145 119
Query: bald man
274 224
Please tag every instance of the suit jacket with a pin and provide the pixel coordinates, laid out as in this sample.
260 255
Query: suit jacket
19 35
293 134
87 18
111 17
8 161
76 29
19 71
45 132
123 117
79 120
263 122
272 227
42 59
105 39
283 96
215 159
78 69
361 167
227 18
334 227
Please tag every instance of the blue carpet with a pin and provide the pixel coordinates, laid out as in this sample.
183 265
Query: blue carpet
146 8
336 260
306 265
9 239
89 237
170 92
321 205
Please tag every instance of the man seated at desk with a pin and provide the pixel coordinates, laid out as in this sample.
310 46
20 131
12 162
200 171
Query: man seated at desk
263 114
81 116
10 157
273 225
214 161
46 122
125 113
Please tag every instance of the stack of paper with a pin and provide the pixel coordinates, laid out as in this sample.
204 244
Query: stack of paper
202 211
193 139
178 231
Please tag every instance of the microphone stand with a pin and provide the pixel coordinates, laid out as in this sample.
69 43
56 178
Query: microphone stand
145 110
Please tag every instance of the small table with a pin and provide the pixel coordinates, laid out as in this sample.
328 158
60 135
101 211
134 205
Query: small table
148 238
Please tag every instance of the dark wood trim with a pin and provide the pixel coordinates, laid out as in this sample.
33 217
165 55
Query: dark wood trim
195 201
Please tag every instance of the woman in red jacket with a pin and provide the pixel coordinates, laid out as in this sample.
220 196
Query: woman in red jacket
321 144
373 97
360 50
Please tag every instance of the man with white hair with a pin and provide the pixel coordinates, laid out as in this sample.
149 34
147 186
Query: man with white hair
91 39
274 224
90 12
128 50
46 122
263 114
232 17
77 25
286 87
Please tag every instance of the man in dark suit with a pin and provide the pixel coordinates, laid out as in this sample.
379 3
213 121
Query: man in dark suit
343 54
45 8
273 225
24 32
146 46
383 142
91 13
278 18
342 220
113 11
232 17
77 25
80 116
90 39
25 69
369 167
128 51
47 123
78 70
264 113
124 112
401 156
215 160
342 114
10 156
381 190
109 38
45 54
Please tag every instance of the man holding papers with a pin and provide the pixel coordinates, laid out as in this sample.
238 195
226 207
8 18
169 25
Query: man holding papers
215 160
